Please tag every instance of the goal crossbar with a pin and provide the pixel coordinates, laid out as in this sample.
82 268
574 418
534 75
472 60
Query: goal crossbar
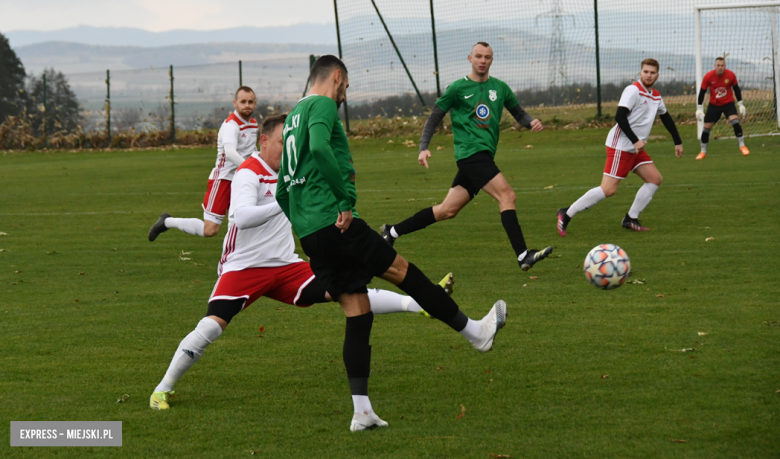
775 57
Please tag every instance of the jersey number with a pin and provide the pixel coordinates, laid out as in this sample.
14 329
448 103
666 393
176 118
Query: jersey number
292 155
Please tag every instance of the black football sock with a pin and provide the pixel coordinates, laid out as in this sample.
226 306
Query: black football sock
738 132
512 228
432 298
357 352
416 222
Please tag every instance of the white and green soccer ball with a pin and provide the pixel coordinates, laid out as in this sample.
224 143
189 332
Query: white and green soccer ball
607 266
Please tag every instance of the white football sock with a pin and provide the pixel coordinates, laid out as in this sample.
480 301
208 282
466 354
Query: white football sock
385 302
190 350
362 404
393 232
643 198
588 200
472 330
192 226
704 147
741 141
522 255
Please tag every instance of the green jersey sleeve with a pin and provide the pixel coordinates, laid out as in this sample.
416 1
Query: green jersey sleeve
510 99
447 100
321 120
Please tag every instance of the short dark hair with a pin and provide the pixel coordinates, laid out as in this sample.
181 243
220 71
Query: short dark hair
720 59
243 88
270 123
324 66
483 43
651 62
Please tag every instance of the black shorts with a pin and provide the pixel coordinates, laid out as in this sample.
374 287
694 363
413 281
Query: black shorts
714 112
346 262
475 172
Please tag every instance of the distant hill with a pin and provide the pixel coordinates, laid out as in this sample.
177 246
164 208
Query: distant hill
127 36
72 58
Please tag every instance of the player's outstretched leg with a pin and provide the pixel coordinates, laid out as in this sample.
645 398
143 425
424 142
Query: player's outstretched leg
563 221
705 139
740 137
387 302
439 305
192 226
416 222
189 351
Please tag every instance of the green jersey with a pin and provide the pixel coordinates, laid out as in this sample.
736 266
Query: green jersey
316 176
476 113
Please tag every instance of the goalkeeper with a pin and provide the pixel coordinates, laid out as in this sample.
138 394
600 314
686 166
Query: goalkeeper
723 87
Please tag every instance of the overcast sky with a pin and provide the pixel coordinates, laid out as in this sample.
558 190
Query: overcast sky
160 15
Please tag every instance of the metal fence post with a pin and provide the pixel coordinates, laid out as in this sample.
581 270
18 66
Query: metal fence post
338 38
108 106
435 51
240 75
598 60
398 52
173 111
45 137
312 58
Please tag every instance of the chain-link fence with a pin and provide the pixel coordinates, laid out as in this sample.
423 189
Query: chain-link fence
402 53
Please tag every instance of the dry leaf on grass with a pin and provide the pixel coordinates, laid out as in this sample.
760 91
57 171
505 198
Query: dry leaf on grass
4 250
409 143
636 281
123 398
462 412
660 295
679 441
3 234
702 333
528 147
439 148
709 239
549 187
604 376
261 329
534 277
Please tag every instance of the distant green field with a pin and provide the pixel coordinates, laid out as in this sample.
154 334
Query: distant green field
92 311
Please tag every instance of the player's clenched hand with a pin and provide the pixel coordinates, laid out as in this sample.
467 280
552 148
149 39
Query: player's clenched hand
536 125
344 220
678 151
640 145
423 158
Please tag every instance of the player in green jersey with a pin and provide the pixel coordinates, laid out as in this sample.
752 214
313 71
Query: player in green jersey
316 190
477 102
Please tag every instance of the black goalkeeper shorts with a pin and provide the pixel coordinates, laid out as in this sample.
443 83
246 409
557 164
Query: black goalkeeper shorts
475 172
715 111
346 262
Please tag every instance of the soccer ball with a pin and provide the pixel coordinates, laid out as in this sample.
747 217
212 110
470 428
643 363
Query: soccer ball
607 266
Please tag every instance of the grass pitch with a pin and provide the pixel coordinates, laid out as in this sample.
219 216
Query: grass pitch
92 313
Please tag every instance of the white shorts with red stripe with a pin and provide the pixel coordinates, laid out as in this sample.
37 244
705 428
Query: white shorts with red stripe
216 201
282 283
620 163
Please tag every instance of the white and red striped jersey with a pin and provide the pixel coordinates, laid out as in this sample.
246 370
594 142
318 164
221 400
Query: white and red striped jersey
237 131
268 245
642 106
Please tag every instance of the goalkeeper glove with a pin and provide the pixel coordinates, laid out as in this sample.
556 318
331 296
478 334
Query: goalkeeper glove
742 111
700 112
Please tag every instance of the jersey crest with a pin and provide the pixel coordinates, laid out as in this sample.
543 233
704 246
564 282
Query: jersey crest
493 96
482 111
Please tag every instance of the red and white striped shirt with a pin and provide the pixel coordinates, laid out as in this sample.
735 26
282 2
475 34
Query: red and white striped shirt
237 131
268 245
642 106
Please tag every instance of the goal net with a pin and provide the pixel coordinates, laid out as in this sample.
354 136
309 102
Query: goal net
746 35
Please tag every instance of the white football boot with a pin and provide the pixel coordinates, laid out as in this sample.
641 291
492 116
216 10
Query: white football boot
366 421
490 325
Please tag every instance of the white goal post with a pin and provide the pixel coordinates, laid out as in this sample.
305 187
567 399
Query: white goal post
772 8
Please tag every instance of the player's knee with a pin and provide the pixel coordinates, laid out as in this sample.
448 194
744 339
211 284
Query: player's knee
657 180
509 196
447 212
210 231
609 190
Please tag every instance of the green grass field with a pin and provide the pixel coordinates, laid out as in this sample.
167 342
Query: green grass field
92 311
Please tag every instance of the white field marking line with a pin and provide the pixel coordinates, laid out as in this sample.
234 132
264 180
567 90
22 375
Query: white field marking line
52 214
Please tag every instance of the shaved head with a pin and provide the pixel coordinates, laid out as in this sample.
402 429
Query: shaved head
479 43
